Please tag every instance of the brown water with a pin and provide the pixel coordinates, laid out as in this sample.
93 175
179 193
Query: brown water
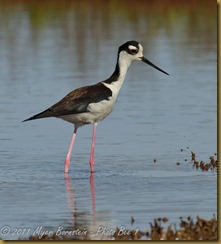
48 48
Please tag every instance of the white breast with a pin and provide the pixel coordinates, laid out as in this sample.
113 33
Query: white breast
97 112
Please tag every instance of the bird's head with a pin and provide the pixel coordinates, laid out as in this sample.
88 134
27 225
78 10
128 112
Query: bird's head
133 51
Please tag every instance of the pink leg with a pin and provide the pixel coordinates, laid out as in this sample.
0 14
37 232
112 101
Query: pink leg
92 148
68 157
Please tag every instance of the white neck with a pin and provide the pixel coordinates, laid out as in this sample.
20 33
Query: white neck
116 80
124 63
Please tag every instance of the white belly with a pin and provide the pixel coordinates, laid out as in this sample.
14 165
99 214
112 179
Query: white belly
97 112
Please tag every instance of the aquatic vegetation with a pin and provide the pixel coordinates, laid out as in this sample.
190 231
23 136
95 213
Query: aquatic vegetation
189 229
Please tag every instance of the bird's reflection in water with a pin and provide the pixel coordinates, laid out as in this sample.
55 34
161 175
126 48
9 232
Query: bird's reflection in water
93 200
72 201
70 195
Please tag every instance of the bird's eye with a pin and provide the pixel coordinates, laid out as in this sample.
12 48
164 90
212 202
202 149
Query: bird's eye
133 51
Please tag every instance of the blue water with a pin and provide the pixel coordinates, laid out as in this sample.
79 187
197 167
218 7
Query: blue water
155 117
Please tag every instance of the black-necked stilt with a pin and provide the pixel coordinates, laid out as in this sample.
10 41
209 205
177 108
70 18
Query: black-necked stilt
91 104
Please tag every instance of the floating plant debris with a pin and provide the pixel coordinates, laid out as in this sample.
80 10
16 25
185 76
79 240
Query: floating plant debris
212 165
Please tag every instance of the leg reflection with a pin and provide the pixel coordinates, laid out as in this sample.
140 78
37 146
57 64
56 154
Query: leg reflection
70 194
71 199
93 199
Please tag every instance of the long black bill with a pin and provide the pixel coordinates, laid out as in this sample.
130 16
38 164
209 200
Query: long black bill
153 65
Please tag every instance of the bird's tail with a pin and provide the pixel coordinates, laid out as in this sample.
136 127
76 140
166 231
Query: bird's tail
44 114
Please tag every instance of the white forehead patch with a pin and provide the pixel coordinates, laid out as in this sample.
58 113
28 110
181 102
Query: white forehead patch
131 47
140 48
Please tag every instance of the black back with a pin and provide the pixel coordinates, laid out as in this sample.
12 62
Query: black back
76 101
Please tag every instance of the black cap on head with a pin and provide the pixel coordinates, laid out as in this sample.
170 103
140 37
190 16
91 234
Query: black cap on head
125 46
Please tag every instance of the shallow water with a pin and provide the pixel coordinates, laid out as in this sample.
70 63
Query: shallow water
44 55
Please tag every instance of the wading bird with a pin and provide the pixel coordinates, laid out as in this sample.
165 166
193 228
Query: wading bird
91 104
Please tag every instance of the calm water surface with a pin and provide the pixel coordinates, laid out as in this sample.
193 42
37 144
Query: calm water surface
45 52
